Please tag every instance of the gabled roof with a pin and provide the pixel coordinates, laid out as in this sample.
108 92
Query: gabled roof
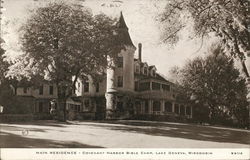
157 77
150 67
144 63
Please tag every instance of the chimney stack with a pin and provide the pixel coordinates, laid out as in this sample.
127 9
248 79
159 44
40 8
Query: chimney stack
139 51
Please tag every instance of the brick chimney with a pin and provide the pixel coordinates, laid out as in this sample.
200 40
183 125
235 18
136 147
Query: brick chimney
139 51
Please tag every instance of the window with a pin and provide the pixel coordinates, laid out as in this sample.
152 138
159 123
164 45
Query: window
78 86
145 70
97 87
168 106
166 87
120 81
156 106
182 110
25 90
40 107
176 108
51 90
138 107
120 62
41 90
75 108
87 104
188 110
78 108
120 106
144 86
146 107
153 73
86 87
156 86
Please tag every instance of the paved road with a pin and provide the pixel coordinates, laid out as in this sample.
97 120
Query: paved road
120 134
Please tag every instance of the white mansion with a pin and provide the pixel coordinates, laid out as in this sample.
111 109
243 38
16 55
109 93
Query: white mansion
132 88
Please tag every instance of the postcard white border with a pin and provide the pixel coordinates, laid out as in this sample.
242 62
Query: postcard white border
125 154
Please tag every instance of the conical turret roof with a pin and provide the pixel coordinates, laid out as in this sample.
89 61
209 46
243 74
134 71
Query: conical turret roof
123 33
121 23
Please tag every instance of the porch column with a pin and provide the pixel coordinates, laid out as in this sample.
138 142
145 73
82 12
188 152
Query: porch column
179 109
142 107
150 106
185 110
173 103
162 106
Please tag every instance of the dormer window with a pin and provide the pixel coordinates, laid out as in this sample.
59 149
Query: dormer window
86 87
137 69
153 73
145 70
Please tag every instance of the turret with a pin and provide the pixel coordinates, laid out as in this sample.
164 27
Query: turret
120 77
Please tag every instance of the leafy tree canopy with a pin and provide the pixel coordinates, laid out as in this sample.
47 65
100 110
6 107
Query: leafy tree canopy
215 82
3 65
63 40
228 19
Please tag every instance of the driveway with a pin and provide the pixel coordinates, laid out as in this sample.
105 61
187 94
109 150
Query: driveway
119 134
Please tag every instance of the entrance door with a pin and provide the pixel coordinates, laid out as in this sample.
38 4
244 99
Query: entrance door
100 108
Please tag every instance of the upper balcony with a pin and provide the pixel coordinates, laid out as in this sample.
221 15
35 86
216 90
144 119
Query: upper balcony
155 90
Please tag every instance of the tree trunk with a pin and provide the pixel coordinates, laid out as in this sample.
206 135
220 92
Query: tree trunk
109 95
110 103
62 98
247 62
212 113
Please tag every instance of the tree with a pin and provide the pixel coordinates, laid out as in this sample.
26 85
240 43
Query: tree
228 19
216 84
174 74
63 42
3 65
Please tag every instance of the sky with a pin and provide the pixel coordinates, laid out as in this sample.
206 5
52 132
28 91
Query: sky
141 19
